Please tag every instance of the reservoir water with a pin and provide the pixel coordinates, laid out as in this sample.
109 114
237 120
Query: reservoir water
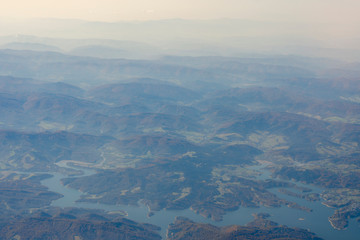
316 221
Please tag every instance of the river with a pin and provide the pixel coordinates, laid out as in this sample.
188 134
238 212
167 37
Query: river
316 221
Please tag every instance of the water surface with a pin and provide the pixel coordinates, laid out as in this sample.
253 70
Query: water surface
316 221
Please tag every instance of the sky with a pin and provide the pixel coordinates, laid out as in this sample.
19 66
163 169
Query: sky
320 11
321 23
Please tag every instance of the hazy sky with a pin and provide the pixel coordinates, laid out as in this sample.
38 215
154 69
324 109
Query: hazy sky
339 11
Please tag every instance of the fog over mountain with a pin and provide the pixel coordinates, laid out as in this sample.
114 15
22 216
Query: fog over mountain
180 120
138 39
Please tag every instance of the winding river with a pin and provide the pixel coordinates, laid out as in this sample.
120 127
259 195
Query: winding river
316 221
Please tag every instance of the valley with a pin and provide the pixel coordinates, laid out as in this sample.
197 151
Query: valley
169 135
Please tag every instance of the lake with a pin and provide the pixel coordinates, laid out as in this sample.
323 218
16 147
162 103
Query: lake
316 221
